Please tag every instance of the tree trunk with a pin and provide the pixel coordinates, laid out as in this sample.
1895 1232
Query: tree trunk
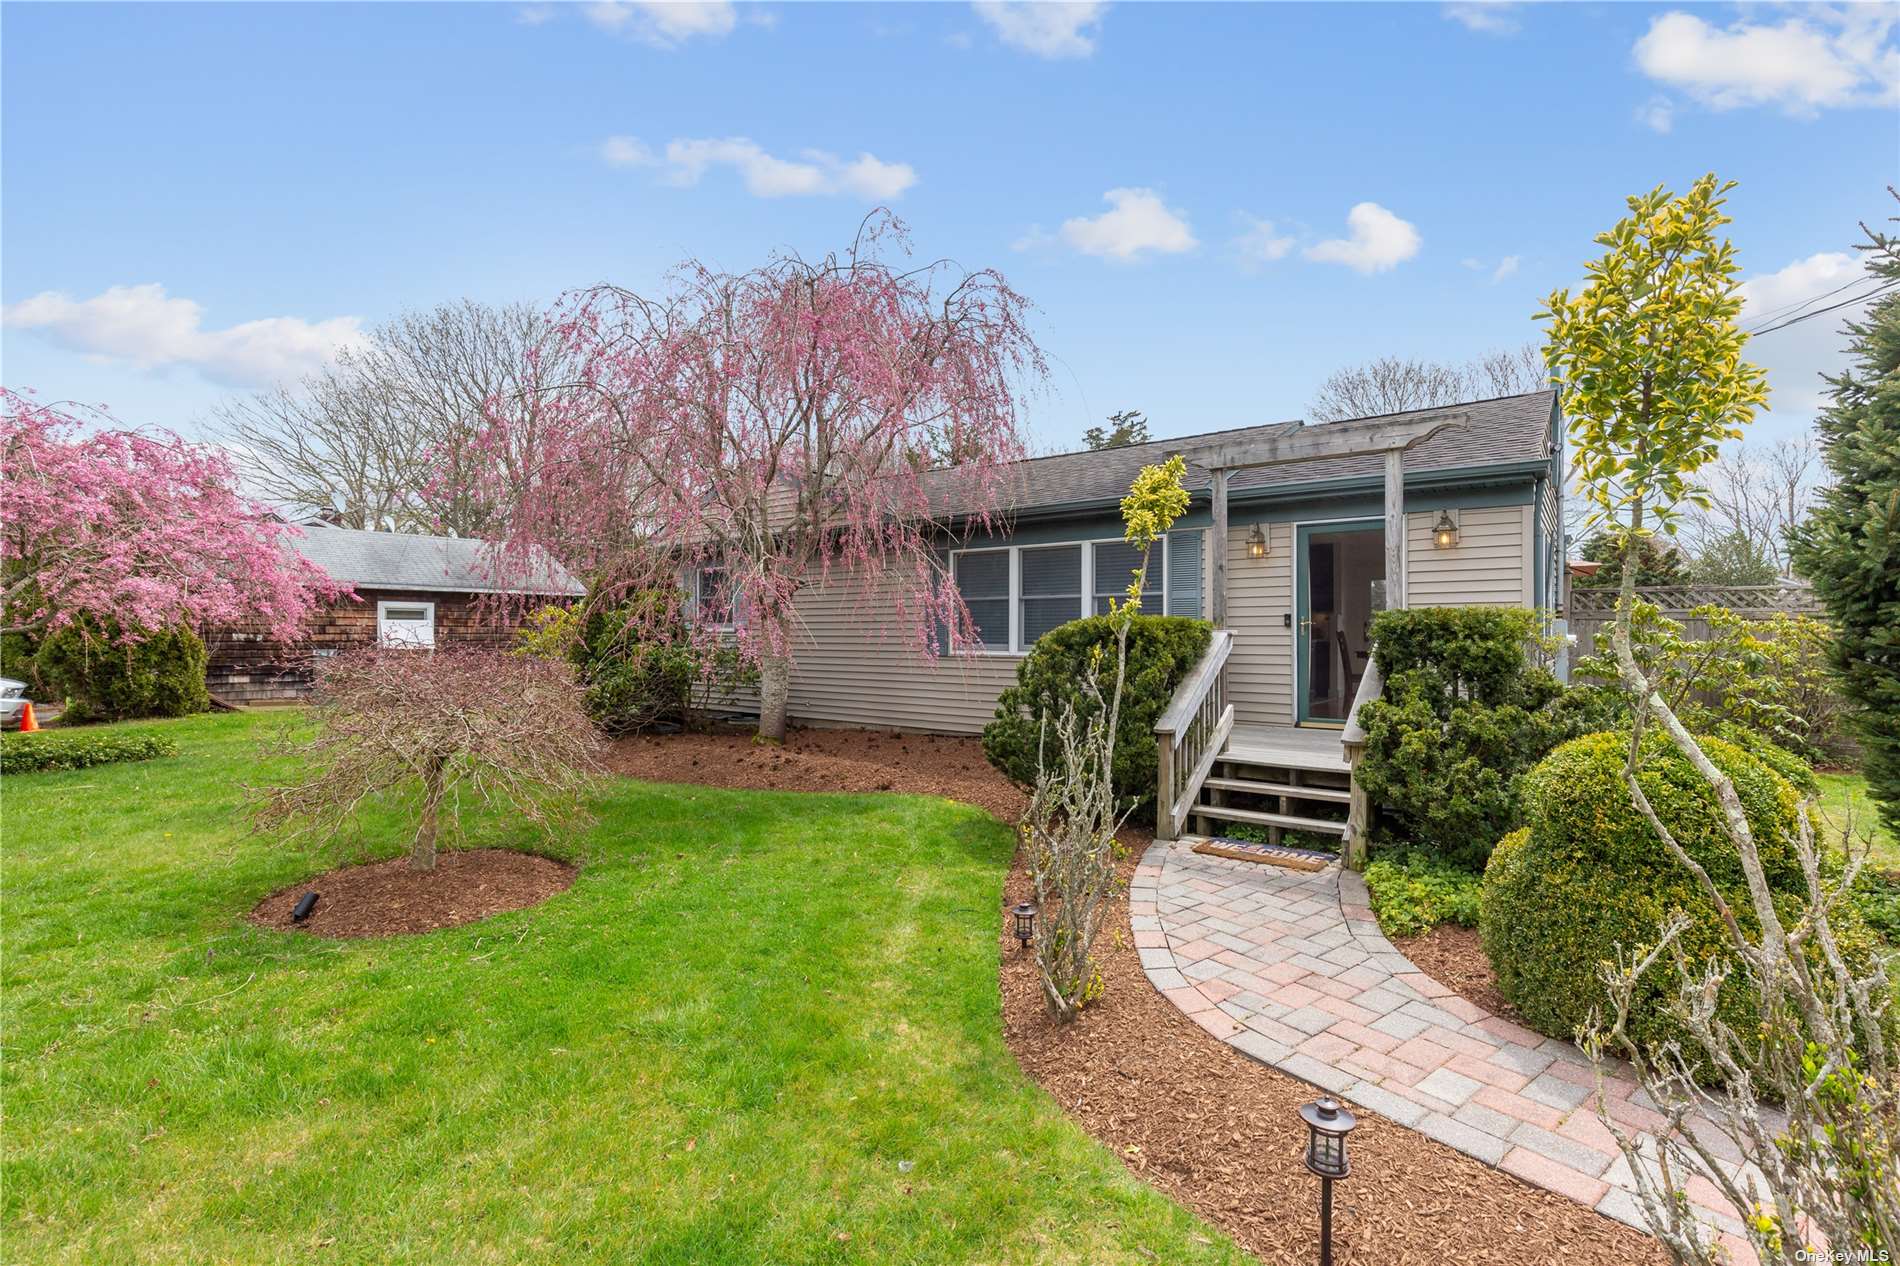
422 851
775 689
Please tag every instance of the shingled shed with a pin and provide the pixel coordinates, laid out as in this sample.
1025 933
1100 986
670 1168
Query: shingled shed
410 591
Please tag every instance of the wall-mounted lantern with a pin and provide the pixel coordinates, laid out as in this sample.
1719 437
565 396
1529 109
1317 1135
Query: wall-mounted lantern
1445 531
1256 543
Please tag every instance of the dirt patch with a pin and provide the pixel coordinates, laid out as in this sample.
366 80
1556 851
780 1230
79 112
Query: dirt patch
389 899
1454 957
824 760
1189 1115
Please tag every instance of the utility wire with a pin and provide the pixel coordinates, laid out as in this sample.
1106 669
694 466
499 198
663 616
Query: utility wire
1787 309
1884 288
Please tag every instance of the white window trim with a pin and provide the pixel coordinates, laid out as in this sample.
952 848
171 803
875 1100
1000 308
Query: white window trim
1087 605
382 624
698 574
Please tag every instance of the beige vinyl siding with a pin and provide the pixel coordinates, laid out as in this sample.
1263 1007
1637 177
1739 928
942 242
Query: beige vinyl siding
852 665
1259 598
1489 567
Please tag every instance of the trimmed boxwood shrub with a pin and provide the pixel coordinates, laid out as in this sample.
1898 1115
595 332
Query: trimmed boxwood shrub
1161 651
77 749
105 678
1464 714
1587 875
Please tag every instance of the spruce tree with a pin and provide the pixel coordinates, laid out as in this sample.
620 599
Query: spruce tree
1849 547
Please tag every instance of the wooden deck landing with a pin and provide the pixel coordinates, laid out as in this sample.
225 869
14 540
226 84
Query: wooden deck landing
1288 747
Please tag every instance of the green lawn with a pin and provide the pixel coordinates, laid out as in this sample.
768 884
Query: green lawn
759 1028
1842 792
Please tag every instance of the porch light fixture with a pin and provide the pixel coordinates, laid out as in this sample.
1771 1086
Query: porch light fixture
1327 1125
1445 533
1025 916
1256 543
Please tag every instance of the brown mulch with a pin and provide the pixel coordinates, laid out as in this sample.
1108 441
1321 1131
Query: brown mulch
823 760
1454 957
1190 1115
389 899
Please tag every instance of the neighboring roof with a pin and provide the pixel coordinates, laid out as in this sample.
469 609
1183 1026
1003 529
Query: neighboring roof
1502 431
399 560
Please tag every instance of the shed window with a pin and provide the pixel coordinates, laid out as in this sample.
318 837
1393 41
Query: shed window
1052 589
406 624
982 578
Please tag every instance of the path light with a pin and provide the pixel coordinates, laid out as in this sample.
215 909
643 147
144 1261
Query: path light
1025 913
1327 1125
1445 533
305 904
1256 543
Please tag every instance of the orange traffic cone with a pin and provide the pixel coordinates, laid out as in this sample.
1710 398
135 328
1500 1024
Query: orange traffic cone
27 722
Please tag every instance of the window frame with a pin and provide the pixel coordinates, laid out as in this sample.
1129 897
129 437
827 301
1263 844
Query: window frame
1086 607
729 625
383 642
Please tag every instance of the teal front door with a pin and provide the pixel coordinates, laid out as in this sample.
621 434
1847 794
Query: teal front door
1340 582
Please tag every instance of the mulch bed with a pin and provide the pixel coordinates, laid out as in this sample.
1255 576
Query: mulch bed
1454 957
1190 1115
389 899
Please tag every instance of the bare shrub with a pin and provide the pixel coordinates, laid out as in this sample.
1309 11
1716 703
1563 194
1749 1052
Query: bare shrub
1069 829
502 730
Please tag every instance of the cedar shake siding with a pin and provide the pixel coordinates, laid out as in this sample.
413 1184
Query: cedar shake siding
247 667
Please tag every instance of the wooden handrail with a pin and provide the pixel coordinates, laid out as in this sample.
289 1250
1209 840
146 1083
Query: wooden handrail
1191 734
1371 686
1193 689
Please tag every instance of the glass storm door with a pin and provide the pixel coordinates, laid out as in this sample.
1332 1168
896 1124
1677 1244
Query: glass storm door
1341 583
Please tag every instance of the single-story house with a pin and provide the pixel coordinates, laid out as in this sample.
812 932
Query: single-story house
1294 536
410 590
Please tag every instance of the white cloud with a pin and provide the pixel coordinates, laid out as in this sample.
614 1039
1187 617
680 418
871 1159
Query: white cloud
1261 243
625 151
143 325
1826 58
815 172
1507 267
535 15
1379 241
1796 357
664 23
1047 28
1658 114
1137 222
1492 17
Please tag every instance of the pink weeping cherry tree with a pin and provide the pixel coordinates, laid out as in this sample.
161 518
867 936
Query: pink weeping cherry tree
137 528
796 423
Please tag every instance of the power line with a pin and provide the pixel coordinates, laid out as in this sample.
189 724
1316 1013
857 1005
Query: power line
1876 292
1769 318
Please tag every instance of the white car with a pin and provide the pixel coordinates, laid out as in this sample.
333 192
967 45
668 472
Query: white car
12 703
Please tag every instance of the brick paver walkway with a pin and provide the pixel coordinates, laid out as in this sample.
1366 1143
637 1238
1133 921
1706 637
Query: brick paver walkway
1290 968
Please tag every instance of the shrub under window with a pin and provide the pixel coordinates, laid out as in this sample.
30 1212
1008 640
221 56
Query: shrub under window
1161 650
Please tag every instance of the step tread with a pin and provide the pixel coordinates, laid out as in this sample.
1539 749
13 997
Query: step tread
1256 787
1288 821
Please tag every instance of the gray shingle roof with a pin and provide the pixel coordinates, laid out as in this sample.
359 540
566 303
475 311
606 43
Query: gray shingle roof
1499 431
399 560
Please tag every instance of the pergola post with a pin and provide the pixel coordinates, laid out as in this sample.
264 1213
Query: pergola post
1217 541
1394 528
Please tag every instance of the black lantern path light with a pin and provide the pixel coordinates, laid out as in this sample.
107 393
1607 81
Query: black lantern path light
1327 1125
1024 913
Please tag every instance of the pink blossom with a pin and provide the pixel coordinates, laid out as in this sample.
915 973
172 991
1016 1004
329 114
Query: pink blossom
136 527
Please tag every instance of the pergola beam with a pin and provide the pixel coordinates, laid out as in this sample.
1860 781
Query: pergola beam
1303 443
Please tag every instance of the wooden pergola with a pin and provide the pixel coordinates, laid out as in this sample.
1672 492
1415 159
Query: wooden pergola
1304 443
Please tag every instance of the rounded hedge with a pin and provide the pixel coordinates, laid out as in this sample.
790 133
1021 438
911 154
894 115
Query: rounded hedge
1588 876
1161 651
104 676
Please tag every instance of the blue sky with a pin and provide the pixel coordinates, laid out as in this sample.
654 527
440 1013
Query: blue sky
1212 206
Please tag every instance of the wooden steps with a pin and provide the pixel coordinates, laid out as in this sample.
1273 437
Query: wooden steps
1294 791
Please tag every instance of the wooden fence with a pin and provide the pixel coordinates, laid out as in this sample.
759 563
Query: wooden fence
1591 610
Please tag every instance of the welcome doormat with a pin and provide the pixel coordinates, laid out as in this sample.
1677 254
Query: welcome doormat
1267 854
